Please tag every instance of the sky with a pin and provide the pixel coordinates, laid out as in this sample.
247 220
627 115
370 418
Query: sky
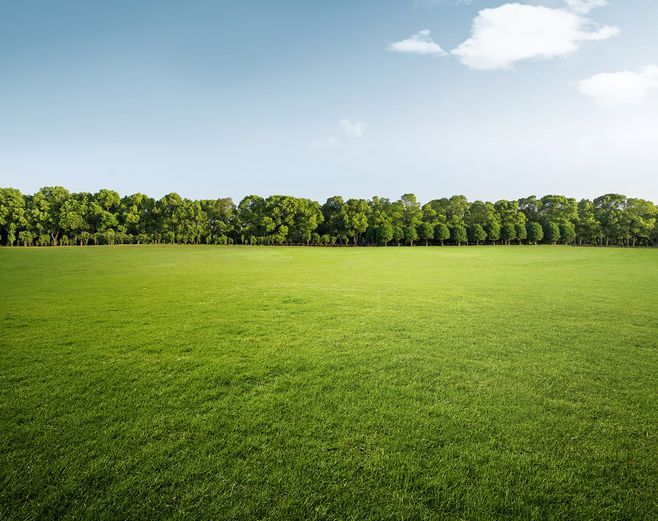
484 98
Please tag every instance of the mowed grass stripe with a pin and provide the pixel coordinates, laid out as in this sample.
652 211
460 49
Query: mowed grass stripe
348 383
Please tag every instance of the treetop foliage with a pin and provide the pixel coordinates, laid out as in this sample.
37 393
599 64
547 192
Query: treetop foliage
54 216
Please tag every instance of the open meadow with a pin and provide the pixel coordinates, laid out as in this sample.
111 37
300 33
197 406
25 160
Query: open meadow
151 382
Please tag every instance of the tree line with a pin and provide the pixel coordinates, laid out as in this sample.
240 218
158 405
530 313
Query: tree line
54 216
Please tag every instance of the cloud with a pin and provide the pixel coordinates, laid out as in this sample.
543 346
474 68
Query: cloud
504 35
353 128
325 143
585 6
616 88
419 43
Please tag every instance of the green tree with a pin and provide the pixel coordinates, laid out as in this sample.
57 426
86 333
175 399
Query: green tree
531 208
411 212
13 214
426 232
558 209
441 233
251 213
74 215
384 233
55 216
552 232
335 218
508 232
356 218
410 234
459 235
493 230
588 229
45 212
568 233
609 212
485 215
522 232
535 232
26 238
476 234
640 220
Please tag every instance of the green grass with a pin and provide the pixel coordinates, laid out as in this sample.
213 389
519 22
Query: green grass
302 383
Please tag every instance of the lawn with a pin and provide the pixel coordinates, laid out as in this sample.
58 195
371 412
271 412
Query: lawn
313 383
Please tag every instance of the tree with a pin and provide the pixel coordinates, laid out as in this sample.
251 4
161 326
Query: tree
13 214
45 211
567 233
508 232
54 216
410 234
640 220
483 214
384 233
26 238
531 208
305 220
441 233
398 233
588 229
476 234
459 235
558 209
170 213
251 218
137 214
552 232
380 224
522 232
104 212
426 232
608 210
73 216
411 217
334 218
220 214
493 231
356 213
535 232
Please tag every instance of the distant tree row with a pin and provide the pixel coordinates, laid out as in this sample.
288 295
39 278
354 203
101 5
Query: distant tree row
54 216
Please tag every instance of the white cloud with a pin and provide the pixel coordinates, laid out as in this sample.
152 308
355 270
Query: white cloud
615 88
419 43
585 6
504 35
353 128
325 143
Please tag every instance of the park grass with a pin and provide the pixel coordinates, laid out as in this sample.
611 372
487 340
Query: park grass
348 383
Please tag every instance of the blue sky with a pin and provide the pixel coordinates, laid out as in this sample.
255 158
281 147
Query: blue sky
363 97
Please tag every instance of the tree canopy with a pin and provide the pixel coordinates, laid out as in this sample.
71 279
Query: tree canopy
54 216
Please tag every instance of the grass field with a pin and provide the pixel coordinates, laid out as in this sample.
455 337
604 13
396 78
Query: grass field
301 383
